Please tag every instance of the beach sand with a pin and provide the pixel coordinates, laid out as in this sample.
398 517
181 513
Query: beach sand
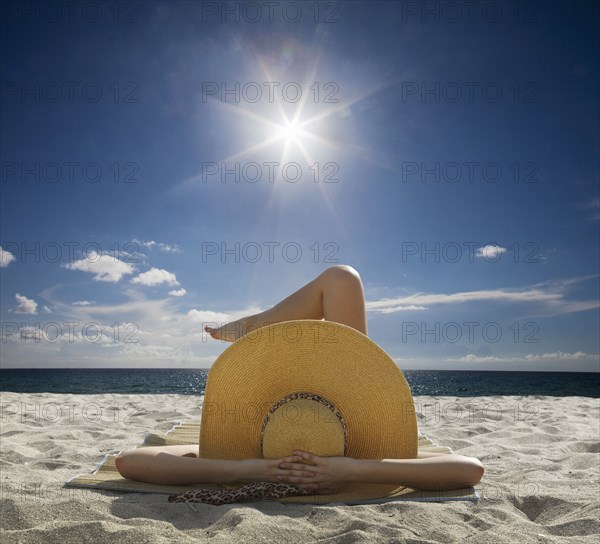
541 484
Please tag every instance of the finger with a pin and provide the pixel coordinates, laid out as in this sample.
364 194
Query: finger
295 466
290 459
291 479
300 473
306 455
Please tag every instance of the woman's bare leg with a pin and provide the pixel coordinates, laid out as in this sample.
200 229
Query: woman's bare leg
337 294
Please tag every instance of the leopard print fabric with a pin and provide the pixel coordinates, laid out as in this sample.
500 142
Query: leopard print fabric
249 492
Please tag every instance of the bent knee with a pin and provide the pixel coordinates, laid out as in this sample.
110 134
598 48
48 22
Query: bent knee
342 272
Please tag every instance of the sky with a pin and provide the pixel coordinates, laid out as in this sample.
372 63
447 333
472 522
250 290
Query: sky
171 164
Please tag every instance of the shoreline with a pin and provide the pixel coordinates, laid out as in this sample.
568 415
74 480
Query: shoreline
540 454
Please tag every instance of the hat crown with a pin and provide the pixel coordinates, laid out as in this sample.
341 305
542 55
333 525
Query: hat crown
304 421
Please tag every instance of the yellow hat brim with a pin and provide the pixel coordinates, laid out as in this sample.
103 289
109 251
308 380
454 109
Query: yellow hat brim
329 359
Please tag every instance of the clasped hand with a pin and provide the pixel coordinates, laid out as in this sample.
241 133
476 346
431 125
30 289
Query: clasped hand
323 475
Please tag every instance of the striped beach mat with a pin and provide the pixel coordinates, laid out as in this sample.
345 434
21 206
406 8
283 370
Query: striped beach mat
106 476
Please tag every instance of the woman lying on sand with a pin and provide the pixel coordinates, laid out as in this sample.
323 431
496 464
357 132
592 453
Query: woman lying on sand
335 295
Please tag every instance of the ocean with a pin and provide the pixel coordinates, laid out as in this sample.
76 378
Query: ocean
193 382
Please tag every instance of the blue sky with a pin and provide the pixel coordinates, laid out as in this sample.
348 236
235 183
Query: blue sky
455 155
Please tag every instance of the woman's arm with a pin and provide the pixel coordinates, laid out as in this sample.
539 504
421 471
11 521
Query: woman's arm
179 465
430 473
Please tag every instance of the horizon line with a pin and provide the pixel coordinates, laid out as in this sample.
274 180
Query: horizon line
402 369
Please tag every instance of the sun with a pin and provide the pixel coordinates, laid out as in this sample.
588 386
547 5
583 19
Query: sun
296 133
290 132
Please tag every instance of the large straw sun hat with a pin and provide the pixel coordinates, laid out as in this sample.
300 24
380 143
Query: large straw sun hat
313 385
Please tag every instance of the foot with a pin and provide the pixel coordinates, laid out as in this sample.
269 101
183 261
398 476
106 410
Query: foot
230 332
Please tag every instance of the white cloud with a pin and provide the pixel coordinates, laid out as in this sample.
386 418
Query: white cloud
54 333
152 350
593 205
155 276
206 316
577 356
420 299
548 295
559 284
134 309
166 248
394 309
558 355
178 292
6 257
31 333
490 252
25 305
104 267
150 333
82 303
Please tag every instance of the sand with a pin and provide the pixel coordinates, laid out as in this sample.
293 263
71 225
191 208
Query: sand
541 483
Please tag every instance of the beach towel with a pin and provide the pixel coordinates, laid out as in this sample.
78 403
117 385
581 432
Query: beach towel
106 476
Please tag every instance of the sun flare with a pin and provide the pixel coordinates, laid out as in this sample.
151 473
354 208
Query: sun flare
296 134
291 131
